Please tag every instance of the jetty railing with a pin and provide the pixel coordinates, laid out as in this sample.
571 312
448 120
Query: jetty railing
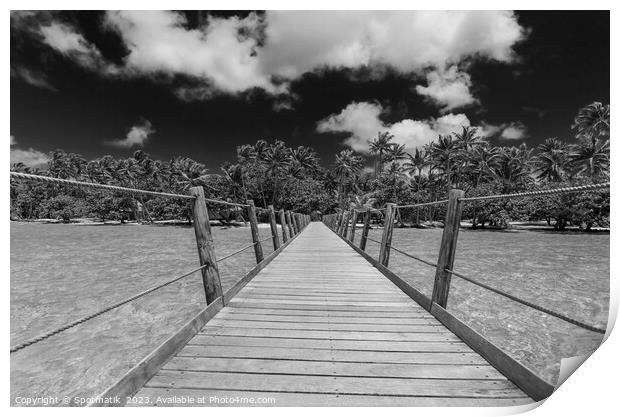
292 223
344 223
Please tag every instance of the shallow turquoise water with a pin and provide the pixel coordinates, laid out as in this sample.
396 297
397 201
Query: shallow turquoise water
62 272
564 272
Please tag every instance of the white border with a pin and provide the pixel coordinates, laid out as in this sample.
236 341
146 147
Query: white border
590 390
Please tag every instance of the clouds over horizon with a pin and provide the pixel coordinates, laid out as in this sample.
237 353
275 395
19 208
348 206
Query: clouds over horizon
29 157
268 51
362 121
137 136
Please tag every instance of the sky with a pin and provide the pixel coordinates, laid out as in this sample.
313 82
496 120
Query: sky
199 84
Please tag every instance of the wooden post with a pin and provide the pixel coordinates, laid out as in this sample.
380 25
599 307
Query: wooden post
353 221
258 249
341 225
294 223
206 248
365 229
283 225
298 222
447 249
274 228
345 230
289 224
386 239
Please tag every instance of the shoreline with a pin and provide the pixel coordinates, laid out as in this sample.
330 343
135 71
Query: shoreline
514 226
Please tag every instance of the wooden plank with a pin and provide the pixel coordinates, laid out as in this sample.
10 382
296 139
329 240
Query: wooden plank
343 303
427 327
331 313
279 366
313 307
318 334
165 397
341 385
521 375
144 370
324 319
453 347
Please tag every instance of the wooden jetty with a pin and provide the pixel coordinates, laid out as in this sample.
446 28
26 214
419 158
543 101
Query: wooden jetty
319 325
320 322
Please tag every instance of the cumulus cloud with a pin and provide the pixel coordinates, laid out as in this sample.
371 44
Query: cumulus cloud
137 136
514 131
29 157
448 88
68 42
362 122
33 77
268 51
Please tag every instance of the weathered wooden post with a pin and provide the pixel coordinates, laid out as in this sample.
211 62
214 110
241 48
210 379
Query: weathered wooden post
289 224
386 239
345 232
294 223
343 218
206 248
283 225
365 230
274 228
258 249
447 249
353 221
298 222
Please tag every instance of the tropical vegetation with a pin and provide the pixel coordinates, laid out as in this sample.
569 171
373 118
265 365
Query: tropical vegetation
294 179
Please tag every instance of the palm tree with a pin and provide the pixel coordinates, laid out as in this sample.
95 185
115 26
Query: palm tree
306 158
380 146
395 153
552 163
347 166
444 153
259 151
591 159
414 166
276 160
188 173
468 138
592 122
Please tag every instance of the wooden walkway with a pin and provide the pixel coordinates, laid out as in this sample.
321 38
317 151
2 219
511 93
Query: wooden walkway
319 325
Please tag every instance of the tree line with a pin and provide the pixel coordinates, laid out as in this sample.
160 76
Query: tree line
295 179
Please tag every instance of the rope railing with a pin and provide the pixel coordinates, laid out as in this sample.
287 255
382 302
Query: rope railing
100 312
528 303
230 255
84 319
406 254
430 203
41 178
562 190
